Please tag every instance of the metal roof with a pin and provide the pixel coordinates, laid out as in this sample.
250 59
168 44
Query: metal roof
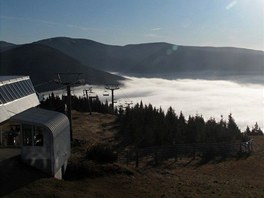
54 121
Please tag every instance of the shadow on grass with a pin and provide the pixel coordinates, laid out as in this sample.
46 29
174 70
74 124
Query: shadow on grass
14 174
222 158
90 169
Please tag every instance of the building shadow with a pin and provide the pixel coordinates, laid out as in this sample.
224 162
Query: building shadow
14 174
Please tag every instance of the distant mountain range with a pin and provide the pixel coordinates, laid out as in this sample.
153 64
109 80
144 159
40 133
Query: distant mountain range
159 58
6 46
43 58
42 63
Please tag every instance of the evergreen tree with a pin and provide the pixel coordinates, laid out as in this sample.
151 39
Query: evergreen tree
181 129
233 130
200 128
171 122
256 130
247 131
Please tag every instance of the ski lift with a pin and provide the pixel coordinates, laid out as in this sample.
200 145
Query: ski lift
120 106
92 95
105 93
64 95
128 103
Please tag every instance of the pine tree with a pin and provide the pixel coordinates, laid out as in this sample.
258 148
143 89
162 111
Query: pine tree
233 130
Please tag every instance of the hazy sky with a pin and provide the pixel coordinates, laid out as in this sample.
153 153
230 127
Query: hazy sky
238 23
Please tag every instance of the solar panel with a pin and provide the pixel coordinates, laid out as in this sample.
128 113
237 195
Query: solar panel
17 94
13 91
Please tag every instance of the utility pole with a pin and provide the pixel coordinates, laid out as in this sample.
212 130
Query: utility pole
68 85
112 88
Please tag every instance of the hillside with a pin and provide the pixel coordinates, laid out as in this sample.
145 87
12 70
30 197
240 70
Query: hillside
241 177
6 46
42 59
157 59
42 63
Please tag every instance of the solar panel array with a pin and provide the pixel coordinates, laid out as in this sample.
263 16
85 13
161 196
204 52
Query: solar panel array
13 91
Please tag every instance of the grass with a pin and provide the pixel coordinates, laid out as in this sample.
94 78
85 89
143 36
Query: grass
242 177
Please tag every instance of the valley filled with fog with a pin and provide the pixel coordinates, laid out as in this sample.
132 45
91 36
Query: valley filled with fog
210 98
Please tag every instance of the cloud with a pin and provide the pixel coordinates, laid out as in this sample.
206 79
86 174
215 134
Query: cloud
230 5
210 98
156 29
83 28
29 20
151 35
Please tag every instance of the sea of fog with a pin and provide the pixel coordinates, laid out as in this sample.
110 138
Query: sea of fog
209 98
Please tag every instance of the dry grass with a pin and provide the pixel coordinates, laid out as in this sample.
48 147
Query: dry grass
242 177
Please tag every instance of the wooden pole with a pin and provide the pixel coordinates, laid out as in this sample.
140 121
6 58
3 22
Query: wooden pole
137 159
69 108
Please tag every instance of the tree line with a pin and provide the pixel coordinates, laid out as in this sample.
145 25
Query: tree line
81 104
145 125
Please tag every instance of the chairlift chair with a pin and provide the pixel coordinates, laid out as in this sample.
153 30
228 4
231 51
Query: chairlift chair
105 93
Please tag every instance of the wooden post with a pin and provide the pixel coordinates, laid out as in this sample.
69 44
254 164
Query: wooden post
156 158
127 161
136 158
1 141
176 155
69 108
193 152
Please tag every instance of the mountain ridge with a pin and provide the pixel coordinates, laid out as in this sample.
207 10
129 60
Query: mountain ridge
155 58
161 60
41 63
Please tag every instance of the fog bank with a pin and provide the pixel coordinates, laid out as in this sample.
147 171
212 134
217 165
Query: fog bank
211 98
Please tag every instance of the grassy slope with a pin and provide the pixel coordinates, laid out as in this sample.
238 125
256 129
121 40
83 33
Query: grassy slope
231 178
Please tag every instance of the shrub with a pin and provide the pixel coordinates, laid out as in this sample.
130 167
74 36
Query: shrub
101 153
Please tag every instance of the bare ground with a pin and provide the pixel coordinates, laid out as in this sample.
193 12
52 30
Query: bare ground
243 177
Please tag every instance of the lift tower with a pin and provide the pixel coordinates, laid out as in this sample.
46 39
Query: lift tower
68 80
112 88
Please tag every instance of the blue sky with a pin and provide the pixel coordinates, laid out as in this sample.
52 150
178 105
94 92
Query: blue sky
237 23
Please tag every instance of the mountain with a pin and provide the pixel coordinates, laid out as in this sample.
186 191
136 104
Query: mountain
154 59
42 63
44 58
6 46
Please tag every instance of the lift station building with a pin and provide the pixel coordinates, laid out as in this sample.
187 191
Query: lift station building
45 134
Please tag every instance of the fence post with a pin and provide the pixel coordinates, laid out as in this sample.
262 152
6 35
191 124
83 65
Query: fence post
136 158
176 155
127 161
193 151
249 146
156 158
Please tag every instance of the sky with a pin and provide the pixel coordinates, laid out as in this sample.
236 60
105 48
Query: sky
236 23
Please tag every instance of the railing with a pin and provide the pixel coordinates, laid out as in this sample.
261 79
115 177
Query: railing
160 153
